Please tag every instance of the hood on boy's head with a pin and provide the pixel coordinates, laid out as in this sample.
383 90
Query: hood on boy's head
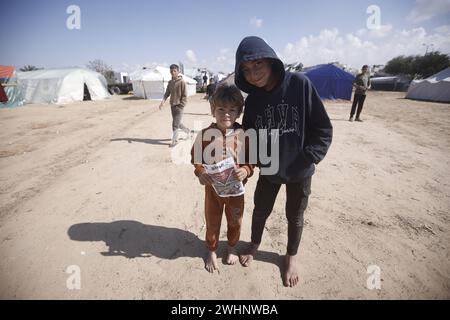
253 48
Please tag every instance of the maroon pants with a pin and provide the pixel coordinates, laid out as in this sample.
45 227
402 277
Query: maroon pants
214 207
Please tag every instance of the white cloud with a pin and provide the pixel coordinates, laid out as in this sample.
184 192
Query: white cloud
153 64
380 32
126 67
289 47
443 29
224 62
191 56
223 55
362 47
255 22
329 45
426 9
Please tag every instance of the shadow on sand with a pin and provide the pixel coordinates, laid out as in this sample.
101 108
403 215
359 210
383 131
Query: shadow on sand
132 98
149 141
133 239
197 114
346 119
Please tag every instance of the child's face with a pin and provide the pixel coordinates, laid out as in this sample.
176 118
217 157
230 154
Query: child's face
174 72
257 72
225 115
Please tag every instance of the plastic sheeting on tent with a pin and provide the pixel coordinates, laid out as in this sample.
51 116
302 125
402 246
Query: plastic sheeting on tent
391 83
62 85
152 83
6 72
11 88
434 88
330 81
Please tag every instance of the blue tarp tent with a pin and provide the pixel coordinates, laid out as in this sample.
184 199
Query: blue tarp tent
330 81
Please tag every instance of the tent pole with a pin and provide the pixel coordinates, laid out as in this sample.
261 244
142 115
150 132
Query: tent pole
143 88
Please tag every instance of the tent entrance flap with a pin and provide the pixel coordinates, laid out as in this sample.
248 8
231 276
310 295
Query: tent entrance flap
86 93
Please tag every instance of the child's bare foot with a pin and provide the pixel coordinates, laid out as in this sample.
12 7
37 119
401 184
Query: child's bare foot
290 274
247 258
232 256
211 262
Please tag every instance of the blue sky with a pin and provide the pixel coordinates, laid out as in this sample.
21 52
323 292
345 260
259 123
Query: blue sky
133 33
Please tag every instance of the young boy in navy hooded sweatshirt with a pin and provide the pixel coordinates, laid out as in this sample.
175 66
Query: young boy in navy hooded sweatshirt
287 102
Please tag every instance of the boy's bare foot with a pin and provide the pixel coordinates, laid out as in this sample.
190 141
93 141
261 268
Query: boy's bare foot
232 256
290 274
211 262
247 258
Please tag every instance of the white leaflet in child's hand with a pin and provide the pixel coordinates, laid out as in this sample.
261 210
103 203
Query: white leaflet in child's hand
225 183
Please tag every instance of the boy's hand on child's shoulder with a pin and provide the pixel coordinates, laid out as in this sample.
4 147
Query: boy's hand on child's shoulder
205 179
240 173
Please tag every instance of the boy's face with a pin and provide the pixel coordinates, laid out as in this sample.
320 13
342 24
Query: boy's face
174 72
257 72
225 115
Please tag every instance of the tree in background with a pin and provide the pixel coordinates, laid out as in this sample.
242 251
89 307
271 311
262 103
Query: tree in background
29 68
431 63
418 67
102 68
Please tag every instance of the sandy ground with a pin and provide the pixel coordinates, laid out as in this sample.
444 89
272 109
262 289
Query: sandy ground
93 187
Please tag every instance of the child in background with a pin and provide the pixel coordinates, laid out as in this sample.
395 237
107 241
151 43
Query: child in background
176 90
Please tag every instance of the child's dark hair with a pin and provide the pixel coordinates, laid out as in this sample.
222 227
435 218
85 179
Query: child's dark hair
227 94
174 66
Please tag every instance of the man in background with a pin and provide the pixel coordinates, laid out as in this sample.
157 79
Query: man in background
361 84
176 89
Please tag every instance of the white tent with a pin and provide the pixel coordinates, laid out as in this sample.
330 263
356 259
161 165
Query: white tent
152 83
219 76
434 88
62 85
191 72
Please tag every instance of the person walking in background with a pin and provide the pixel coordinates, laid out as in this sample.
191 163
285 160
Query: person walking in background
176 89
361 84
210 89
205 81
